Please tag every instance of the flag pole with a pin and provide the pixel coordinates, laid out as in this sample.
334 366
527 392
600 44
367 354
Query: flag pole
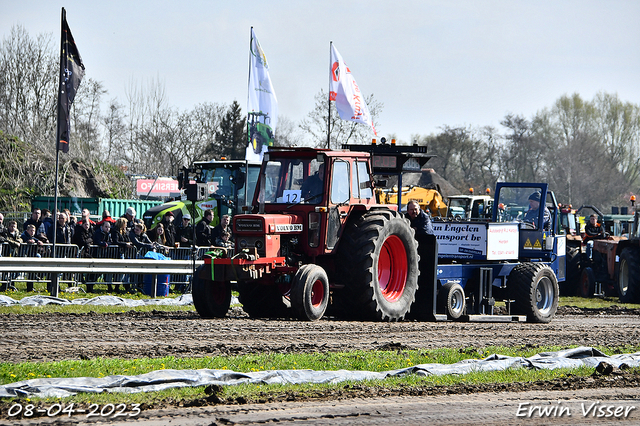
249 141
54 276
329 99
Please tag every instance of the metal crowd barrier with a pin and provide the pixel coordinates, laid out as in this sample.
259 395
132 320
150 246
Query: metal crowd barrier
41 251
129 279
181 282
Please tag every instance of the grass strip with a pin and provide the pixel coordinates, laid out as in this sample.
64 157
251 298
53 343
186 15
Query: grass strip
356 360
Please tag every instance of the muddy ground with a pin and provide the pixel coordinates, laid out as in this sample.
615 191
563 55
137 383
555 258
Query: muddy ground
55 337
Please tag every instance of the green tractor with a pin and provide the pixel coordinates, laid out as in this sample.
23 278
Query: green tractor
260 134
230 187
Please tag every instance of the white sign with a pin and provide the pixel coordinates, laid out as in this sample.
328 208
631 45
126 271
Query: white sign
503 241
206 205
160 187
290 196
292 227
461 240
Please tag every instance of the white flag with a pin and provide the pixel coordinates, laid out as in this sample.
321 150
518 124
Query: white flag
262 107
345 92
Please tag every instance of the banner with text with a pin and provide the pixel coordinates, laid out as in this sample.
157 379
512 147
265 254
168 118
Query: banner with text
157 188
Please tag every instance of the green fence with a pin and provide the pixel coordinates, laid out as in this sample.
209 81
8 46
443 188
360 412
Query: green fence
96 206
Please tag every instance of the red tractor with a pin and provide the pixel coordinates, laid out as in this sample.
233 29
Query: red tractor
316 232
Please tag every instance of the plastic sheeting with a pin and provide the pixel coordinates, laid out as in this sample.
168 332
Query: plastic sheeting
166 379
184 299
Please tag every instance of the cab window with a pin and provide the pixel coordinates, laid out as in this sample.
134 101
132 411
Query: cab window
340 182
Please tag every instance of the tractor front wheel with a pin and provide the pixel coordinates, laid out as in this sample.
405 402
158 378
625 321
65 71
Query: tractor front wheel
210 298
310 292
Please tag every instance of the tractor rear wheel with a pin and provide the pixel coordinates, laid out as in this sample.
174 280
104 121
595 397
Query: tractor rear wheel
629 275
210 298
310 292
261 300
451 300
534 289
587 286
378 256
571 285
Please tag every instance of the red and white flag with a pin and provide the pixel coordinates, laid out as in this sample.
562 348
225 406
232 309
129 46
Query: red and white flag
344 90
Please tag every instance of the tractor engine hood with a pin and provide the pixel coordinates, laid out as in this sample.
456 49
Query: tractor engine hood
268 224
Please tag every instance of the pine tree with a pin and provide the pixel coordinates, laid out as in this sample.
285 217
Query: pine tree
231 139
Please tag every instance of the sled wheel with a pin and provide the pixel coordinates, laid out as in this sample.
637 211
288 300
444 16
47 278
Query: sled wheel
451 300
534 289
310 292
211 298
378 253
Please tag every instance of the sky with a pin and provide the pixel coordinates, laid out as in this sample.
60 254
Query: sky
431 63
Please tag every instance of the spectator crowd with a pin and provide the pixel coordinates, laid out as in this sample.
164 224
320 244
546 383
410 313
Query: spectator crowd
124 232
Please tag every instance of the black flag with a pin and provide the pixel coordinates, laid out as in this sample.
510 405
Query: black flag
71 73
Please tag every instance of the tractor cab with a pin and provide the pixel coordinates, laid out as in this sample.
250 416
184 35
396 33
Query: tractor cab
534 207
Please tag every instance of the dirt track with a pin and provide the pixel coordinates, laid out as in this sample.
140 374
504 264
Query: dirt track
54 337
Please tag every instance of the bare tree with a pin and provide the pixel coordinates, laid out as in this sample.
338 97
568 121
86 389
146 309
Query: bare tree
86 119
28 87
114 134
287 133
341 131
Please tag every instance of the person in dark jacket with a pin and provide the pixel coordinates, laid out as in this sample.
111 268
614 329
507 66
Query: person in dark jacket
85 218
593 230
204 231
83 238
222 227
139 238
63 232
120 235
531 216
420 221
184 233
34 219
102 235
169 229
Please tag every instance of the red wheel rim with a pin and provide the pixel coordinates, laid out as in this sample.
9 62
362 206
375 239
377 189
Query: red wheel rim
317 293
392 268
584 285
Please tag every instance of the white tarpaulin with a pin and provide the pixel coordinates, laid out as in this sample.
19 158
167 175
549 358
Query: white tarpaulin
166 379
181 300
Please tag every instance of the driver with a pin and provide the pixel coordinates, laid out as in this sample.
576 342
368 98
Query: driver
593 230
534 212
312 187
